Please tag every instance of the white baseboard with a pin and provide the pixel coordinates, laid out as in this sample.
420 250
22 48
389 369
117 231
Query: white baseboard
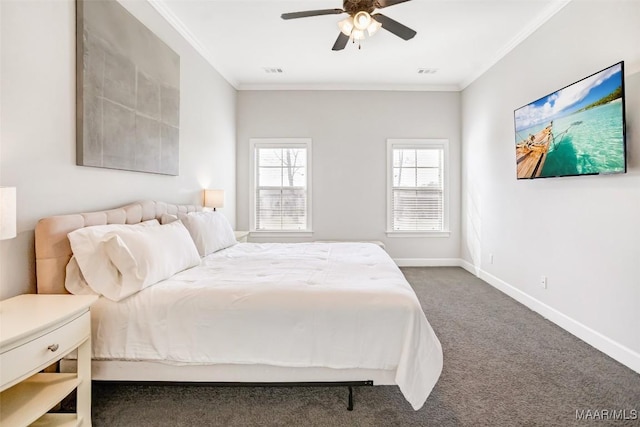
470 267
427 262
615 350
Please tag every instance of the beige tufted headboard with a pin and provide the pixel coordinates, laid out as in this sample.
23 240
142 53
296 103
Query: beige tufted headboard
53 250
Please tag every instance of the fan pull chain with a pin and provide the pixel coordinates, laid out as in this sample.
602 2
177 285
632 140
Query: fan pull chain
353 40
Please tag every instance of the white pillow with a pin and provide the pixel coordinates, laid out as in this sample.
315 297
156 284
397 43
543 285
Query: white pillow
88 252
210 231
145 256
167 219
74 280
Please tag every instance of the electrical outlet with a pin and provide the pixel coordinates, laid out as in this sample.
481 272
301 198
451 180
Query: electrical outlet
490 258
543 282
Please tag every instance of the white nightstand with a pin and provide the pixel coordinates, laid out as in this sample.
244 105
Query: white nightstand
242 236
35 332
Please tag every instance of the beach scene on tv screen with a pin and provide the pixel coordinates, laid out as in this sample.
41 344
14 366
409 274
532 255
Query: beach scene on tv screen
577 130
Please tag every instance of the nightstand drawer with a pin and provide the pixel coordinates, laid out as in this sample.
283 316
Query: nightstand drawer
27 359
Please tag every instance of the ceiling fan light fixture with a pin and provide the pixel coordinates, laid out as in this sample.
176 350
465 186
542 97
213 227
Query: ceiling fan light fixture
357 34
346 26
373 27
362 20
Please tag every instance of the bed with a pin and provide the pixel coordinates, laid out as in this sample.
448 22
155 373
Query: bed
254 313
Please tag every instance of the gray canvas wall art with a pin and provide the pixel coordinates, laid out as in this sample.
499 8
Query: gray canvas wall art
128 92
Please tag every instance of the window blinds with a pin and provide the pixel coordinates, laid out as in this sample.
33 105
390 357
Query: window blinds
417 189
281 188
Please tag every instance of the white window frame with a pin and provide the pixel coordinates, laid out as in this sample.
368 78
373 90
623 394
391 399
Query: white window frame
278 143
417 144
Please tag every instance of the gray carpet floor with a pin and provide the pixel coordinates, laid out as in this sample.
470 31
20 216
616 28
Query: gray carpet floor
504 365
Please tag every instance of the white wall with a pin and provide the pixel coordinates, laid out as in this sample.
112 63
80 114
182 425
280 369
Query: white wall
37 151
349 131
583 233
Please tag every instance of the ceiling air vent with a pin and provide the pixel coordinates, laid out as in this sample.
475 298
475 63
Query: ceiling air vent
273 70
427 70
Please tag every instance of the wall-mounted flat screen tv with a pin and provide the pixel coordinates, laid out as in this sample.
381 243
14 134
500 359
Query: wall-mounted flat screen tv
577 130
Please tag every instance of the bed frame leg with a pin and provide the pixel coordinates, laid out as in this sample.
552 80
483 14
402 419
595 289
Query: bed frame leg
350 405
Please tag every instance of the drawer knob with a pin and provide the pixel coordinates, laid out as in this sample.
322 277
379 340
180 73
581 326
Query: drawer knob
53 347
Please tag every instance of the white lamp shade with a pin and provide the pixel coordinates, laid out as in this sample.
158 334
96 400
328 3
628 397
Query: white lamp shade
357 34
214 198
7 213
346 26
374 27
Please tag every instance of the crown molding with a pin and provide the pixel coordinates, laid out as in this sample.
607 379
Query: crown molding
541 19
161 7
349 86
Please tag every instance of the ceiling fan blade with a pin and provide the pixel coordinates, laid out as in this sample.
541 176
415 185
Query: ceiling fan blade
307 13
395 27
380 4
341 41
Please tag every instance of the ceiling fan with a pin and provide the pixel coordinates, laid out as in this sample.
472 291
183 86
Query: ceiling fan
361 18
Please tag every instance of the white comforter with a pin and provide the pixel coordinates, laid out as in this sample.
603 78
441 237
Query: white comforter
335 305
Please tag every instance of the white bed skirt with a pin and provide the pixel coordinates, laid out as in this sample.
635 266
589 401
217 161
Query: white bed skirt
119 370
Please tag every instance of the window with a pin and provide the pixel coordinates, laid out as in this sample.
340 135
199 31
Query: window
417 186
281 177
